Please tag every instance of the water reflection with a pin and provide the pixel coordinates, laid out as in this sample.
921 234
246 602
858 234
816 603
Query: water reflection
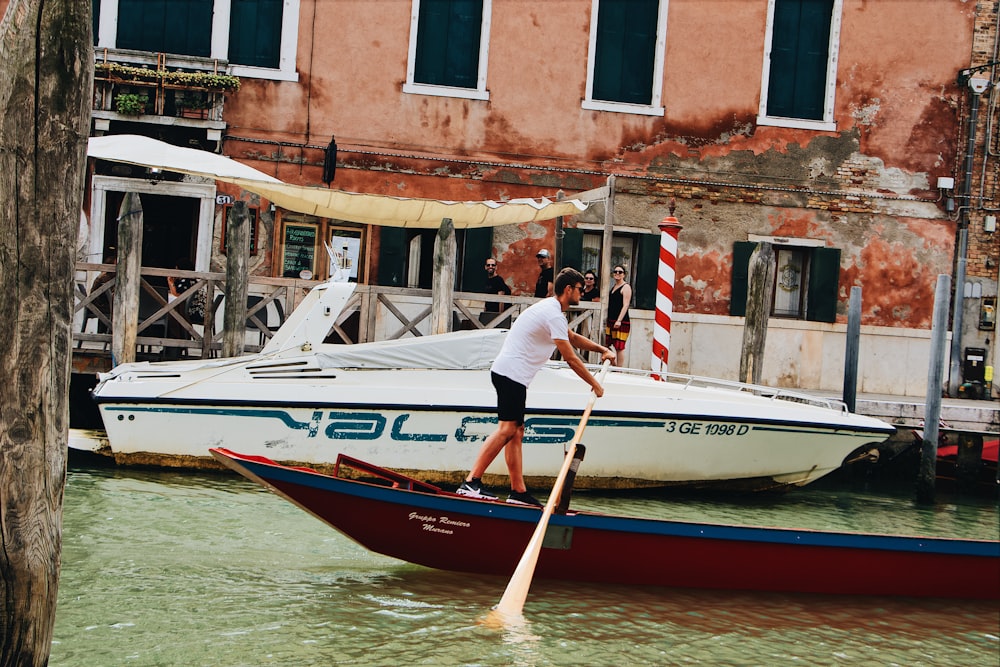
185 569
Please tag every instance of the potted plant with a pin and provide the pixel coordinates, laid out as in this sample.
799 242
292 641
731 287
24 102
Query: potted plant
193 104
130 104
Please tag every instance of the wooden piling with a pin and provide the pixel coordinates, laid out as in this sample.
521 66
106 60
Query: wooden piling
760 295
932 405
443 284
125 310
46 79
237 263
851 352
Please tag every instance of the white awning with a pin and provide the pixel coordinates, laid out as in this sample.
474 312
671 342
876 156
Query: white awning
356 207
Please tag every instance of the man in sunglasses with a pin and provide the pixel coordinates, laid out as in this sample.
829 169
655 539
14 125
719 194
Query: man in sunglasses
495 284
538 331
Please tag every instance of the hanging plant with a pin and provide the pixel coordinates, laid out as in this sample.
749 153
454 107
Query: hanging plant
219 82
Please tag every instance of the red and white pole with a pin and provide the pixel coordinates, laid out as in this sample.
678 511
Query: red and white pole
669 230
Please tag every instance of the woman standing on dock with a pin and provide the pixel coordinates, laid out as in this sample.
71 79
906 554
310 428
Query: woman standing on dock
617 327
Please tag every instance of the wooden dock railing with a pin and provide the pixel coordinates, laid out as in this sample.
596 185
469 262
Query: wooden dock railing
166 328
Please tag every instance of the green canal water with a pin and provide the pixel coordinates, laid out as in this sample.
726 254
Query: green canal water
164 568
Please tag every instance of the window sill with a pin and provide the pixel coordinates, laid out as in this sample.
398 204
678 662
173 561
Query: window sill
621 107
445 91
267 73
798 123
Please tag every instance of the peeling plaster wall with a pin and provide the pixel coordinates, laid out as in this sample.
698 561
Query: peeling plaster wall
866 188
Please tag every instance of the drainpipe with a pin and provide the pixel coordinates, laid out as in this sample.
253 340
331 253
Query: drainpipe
978 86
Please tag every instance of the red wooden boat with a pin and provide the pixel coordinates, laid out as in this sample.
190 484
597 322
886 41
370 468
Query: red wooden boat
399 516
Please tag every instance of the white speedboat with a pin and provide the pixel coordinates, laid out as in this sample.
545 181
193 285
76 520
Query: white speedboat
425 404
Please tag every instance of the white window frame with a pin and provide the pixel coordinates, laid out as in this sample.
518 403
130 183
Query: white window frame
655 108
107 34
828 123
480 92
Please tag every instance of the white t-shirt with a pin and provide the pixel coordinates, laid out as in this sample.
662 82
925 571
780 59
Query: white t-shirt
531 341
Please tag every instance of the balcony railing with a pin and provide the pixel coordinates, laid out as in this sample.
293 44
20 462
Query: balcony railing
155 87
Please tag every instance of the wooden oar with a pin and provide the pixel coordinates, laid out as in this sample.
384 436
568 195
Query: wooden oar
512 602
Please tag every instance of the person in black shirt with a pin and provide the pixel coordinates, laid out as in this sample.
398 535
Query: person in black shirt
543 287
495 284
591 292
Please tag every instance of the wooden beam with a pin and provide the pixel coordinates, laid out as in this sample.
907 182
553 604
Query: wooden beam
443 280
237 262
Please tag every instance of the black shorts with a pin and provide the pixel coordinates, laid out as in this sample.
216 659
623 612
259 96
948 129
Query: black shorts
511 397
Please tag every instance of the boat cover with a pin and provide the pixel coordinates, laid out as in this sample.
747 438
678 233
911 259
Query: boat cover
459 350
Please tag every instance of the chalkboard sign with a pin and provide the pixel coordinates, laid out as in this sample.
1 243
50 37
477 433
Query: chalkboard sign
299 250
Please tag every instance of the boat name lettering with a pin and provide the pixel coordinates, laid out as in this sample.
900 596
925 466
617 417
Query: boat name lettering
711 428
436 524
435 529
455 522
345 425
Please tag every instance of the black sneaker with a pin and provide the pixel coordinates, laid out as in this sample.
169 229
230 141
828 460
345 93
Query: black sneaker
476 489
523 498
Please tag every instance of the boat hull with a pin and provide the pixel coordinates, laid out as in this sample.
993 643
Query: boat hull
438 442
448 532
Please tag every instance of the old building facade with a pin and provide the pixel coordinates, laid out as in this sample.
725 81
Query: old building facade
837 130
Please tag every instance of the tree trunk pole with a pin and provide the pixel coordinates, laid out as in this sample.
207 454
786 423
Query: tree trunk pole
46 79
760 295
234 322
125 305
443 281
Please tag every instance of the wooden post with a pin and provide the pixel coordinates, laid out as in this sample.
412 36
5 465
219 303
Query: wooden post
932 404
46 81
234 321
760 295
125 309
443 280
851 352
605 269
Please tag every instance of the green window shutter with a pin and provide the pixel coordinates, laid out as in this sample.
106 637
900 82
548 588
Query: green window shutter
647 268
448 34
170 26
392 256
478 246
800 43
95 18
741 268
626 51
824 279
570 250
255 32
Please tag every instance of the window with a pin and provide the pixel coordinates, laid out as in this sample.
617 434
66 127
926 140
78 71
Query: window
638 253
806 280
255 33
168 26
625 61
799 73
257 37
448 48
406 257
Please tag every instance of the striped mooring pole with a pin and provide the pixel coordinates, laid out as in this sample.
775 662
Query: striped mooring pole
669 229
